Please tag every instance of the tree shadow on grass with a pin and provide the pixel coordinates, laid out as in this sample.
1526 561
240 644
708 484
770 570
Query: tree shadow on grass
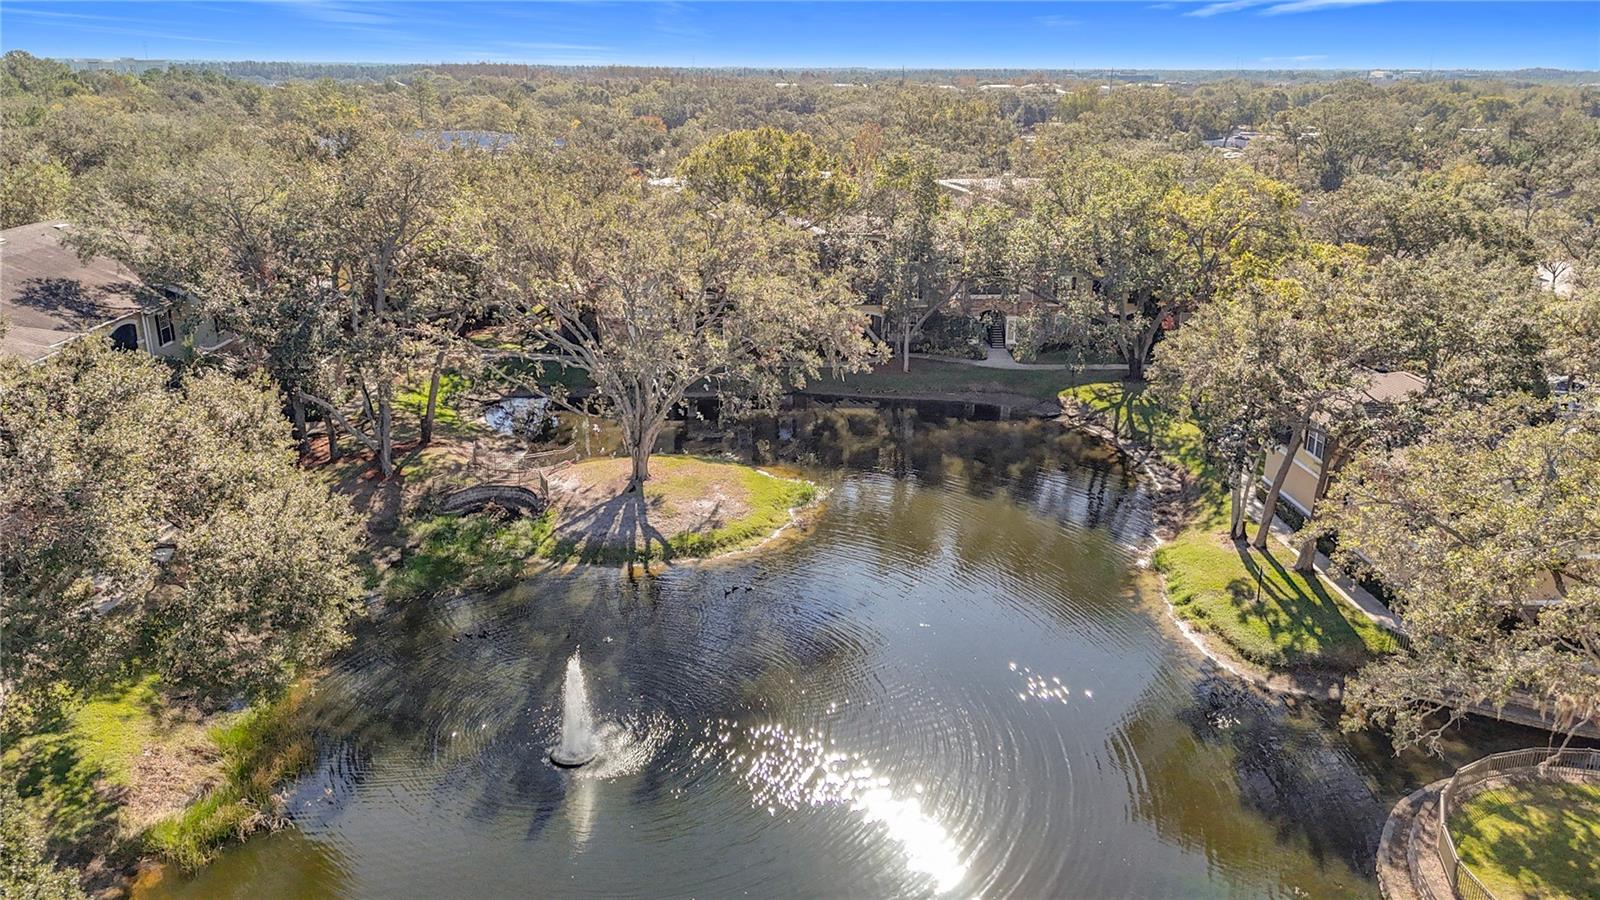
78 804
616 530
1532 839
1304 627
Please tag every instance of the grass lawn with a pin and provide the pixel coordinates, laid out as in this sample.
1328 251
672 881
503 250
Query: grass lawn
477 551
691 507
1532 840
1132 413
116 774
88 775
1255 602
1072 357
446 411
937 377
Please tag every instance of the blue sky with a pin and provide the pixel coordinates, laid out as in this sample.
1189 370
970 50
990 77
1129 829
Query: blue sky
1195 34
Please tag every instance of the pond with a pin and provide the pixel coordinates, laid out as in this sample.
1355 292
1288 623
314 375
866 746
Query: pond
956 683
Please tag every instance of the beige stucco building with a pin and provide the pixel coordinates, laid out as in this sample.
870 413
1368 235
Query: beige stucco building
1315 453
50 297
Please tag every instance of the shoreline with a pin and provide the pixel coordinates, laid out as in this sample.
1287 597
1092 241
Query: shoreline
1172 512
1017 405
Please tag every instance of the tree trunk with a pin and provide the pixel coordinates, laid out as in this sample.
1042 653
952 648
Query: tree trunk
1270 507
433 399
641 467
297 414
1241 499
905 345
1307 560
385 433
334 453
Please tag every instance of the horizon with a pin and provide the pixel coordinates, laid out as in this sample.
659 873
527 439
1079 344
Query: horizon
1192 35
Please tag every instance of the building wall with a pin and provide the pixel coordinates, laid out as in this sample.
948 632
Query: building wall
148 334
105 329
1300 487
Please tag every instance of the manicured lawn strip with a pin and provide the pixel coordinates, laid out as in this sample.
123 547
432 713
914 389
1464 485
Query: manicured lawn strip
1253 601
1532 840
1267 612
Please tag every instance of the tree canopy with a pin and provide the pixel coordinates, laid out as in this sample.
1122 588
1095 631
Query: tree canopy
160 525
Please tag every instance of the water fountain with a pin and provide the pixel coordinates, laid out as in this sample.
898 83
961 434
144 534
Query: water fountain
578 744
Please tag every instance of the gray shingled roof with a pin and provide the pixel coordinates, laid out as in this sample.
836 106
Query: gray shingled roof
50 296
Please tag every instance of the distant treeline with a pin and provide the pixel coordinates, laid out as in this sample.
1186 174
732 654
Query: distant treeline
275 71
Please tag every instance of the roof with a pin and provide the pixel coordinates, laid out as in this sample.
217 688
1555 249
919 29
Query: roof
49 296
1387 387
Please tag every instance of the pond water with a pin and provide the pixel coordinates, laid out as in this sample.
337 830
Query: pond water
953 684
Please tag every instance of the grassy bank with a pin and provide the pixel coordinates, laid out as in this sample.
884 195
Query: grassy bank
1532 840
116 777
260 748
100 772
1128 409
478 552
1252 600
1260 607
690 508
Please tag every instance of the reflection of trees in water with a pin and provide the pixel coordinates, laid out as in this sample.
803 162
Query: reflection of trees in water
940 444
1241 748
971 447
457 696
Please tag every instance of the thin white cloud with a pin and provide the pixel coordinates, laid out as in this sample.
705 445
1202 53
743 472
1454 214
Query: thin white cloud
1299 6
342 13
57 14
1226 6
1272 7
1058 21
672 18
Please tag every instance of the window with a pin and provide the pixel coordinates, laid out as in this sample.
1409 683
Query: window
1316 443
165 333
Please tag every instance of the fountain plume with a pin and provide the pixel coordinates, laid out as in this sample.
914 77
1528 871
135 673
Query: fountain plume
578 743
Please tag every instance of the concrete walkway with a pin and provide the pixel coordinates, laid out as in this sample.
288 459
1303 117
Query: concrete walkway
1001 358
1520 713
1347 590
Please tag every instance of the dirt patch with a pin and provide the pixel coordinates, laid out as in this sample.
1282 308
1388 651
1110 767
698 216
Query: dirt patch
594 502
169 776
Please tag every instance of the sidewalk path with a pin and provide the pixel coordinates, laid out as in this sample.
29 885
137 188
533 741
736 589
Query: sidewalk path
1528 714
1000 358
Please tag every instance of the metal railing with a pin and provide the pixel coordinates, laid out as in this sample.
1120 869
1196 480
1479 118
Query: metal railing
1534 761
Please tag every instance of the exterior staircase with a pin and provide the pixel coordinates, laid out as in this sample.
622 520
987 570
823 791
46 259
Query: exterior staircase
997 335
